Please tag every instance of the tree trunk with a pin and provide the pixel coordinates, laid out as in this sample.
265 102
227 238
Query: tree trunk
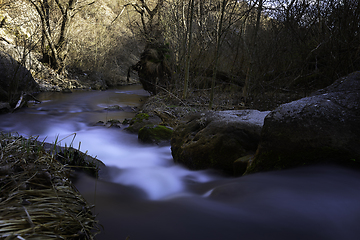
46 35
44 48
217 51
252 53
188 57
57 52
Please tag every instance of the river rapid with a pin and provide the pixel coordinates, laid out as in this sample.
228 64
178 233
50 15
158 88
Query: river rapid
142 194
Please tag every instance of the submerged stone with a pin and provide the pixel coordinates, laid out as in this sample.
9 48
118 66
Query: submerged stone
113 123
114 108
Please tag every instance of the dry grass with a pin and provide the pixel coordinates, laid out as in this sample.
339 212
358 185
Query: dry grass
37 199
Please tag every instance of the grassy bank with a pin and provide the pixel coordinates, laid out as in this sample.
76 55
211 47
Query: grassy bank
37 197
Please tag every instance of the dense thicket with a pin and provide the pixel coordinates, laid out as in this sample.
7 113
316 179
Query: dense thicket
273 45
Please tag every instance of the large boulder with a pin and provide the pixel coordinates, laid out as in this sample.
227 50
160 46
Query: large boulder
217 139
324 127
15 80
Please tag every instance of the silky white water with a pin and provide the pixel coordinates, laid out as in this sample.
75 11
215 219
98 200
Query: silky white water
70 119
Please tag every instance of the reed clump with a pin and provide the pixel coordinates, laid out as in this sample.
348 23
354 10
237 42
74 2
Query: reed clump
37 198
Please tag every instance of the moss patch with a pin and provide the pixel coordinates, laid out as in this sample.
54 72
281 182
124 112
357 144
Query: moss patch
137 122
139 118
155 134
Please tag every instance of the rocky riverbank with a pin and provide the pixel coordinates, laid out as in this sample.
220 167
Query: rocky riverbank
23 75
321 128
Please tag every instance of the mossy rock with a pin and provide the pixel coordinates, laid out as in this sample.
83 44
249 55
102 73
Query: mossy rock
155 134
141 120
217 139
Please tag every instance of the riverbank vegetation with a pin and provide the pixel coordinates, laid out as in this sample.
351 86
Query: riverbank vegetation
248 53
37 198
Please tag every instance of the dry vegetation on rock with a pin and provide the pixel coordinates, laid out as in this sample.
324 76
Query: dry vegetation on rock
37 198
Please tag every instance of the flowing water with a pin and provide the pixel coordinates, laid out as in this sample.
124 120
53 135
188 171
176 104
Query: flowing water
142 194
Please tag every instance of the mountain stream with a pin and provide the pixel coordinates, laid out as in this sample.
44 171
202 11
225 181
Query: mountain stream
142 194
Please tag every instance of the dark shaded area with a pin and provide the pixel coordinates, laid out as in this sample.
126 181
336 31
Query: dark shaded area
318 202
15 80
154 67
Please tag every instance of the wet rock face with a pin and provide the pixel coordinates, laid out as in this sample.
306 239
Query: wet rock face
217 139
322 127
14 79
